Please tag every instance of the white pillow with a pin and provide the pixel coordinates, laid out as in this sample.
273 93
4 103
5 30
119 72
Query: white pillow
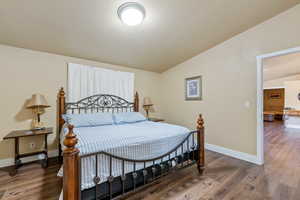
128 117
86 120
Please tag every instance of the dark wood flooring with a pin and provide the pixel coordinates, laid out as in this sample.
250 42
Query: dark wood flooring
225 178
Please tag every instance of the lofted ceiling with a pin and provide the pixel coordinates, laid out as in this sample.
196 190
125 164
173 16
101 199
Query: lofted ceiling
173 30
281 66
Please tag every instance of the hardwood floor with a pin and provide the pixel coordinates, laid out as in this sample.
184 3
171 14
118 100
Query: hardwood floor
31 183
225 178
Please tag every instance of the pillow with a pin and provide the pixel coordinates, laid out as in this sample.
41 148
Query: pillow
92 119
128 117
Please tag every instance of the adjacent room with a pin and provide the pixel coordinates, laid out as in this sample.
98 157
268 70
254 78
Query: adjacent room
281 89
150 100
281 103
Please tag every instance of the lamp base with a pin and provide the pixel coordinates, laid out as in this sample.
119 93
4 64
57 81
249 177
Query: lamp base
38 128
147 112
37 125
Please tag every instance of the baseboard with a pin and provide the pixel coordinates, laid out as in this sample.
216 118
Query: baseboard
10 161
222 150
292 126
232 153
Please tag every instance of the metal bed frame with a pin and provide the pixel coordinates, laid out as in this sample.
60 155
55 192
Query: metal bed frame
116 187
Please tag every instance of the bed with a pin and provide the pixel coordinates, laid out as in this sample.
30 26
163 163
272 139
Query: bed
114 160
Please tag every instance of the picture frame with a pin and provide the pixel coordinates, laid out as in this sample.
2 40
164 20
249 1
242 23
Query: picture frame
193 88
275 96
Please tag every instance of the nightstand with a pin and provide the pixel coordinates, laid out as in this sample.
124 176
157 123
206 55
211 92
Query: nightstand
16 135
155 119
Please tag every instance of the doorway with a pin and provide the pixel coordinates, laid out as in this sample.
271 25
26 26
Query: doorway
261 85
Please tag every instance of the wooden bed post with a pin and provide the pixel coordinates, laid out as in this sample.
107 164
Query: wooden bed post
71 186
61 107
201 143
61 101
136 102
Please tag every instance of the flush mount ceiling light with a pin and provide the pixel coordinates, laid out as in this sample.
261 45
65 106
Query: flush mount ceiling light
131 13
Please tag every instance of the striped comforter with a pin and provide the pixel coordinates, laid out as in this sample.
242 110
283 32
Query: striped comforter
141 140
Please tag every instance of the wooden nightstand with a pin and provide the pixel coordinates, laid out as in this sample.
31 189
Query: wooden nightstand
155 119
16 135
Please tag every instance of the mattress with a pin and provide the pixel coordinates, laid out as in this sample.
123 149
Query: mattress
138 141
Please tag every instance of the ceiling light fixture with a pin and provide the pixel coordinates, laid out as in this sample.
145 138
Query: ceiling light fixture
131 13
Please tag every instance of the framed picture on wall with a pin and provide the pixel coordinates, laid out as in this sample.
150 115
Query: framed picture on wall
193 88
275 95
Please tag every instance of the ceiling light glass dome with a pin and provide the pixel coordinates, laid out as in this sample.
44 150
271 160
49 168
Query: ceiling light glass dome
131 13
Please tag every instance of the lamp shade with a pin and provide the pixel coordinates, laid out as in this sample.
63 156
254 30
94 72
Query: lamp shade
147 101
38 100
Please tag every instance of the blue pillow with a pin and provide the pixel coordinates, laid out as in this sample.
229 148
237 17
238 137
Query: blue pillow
128 117
86 120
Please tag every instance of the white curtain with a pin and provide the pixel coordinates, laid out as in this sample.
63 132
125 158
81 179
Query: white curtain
84 81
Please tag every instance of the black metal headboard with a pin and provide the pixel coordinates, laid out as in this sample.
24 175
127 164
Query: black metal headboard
93 104
100 103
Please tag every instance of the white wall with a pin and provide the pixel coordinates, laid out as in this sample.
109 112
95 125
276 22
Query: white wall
229 82
24 72
292 89
279 83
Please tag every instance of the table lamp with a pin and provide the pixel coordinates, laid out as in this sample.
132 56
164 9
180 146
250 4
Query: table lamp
38 104
147 105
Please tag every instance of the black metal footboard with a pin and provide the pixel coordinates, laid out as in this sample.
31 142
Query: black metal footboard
183 155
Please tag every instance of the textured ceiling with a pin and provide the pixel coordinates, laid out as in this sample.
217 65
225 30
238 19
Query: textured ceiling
173 31
282 66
